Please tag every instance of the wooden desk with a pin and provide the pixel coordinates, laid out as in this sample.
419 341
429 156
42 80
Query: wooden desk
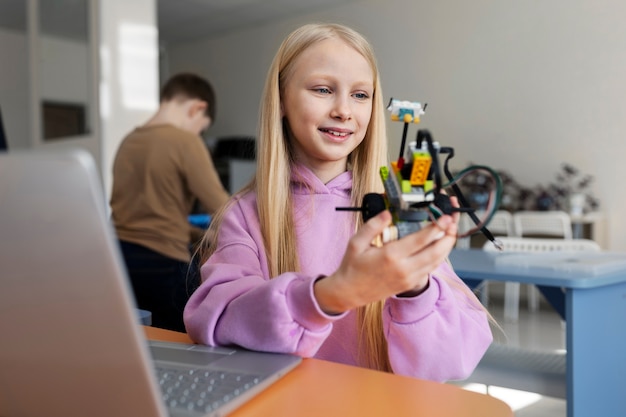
321 388
595 342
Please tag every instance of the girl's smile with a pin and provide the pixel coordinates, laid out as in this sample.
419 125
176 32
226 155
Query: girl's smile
336 134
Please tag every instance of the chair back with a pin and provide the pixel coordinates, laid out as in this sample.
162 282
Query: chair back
527 244
501 224
542 223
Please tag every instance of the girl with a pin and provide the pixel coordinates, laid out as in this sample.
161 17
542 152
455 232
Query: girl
283 271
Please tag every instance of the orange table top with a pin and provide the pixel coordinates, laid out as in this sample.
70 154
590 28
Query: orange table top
321 388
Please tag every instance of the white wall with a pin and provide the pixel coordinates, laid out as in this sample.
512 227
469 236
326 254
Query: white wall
129 73
63 62
14 88
65 75
520 86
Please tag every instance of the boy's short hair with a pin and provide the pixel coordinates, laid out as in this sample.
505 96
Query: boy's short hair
190 86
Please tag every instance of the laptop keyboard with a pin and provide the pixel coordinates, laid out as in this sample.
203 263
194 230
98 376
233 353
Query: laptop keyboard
200 390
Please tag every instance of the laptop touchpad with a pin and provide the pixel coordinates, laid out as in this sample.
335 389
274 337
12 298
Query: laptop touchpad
190 357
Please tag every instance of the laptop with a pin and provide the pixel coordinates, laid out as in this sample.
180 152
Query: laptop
72 344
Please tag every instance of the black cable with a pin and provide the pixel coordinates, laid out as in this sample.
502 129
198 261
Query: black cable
457 191
403 143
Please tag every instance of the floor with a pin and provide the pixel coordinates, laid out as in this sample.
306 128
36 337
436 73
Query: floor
539 330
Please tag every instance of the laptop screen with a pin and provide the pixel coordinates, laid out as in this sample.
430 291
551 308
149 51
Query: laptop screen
4 144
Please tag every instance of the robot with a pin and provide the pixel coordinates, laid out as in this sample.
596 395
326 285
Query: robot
414 184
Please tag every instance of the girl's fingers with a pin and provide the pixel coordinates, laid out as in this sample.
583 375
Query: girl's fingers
373 228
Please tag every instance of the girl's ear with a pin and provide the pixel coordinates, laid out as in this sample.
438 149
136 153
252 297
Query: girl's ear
282 109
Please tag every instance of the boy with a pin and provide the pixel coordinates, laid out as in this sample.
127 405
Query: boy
160 170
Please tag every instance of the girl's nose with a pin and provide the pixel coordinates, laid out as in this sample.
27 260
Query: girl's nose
341 109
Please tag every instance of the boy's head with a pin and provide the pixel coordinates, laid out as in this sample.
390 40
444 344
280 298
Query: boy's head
190 86
185 87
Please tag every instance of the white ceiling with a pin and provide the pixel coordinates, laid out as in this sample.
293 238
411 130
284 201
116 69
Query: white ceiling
183 20
177 20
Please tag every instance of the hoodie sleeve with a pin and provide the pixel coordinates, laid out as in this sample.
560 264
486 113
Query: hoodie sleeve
439 335
238 304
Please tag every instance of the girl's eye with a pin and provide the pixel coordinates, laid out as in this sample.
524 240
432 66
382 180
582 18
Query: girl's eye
361 96
323 90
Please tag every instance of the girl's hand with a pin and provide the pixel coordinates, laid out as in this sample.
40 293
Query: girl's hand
368 273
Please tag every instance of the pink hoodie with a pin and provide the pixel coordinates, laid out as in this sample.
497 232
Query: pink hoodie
438 335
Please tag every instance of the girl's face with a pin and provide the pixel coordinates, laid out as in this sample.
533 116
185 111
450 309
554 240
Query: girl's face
327 100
